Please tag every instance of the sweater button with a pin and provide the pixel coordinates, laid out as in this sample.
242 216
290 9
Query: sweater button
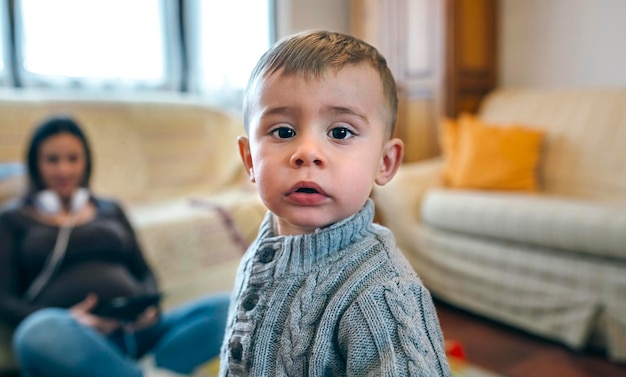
250 301
236 349
267 255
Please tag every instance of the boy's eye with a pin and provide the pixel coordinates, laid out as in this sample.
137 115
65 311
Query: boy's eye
340 133
284 132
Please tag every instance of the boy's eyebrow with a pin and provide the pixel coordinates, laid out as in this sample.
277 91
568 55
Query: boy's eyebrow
339 110
335 110
277 111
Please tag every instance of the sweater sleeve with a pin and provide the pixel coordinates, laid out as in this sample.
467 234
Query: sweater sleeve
393 330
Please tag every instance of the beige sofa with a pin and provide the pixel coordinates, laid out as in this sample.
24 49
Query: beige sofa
174 164
552 263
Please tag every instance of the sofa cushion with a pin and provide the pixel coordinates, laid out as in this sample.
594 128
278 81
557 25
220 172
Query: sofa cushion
194 243
154 150
144 147
484 156
584 153
564 224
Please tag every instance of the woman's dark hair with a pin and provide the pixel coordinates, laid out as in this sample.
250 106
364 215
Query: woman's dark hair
52 127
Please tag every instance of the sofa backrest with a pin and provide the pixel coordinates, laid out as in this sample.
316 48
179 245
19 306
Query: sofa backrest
583 153
143 147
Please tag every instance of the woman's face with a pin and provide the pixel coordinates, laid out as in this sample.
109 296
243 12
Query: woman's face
62 163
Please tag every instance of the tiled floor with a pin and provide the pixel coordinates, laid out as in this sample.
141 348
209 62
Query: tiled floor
514 353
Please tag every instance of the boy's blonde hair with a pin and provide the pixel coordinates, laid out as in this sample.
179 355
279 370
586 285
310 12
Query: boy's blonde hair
311 54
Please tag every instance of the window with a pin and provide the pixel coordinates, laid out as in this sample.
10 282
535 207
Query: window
226 39
5 73
205 47
97 43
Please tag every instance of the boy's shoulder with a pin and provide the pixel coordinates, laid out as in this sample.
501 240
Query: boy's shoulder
394 277
388 271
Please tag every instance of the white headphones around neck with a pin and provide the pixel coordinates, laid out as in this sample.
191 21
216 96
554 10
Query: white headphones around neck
49 202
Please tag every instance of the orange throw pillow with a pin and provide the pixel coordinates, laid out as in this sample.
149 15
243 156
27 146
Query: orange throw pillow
480 156
448 139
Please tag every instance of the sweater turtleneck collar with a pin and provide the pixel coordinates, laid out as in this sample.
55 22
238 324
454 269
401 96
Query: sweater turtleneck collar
302 253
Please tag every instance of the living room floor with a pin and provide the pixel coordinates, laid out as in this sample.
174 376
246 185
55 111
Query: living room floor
514 353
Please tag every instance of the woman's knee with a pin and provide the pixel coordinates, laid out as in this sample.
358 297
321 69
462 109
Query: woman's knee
40 329
206 307
215 312
215 308
218 302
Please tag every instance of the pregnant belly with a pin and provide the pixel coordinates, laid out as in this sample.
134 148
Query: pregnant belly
72 285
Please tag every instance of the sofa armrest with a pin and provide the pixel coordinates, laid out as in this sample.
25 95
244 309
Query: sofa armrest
399 201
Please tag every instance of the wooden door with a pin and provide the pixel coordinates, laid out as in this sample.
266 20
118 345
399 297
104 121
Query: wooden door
471 61
442 54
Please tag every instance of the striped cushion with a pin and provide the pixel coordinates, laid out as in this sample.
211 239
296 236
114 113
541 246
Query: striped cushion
532 219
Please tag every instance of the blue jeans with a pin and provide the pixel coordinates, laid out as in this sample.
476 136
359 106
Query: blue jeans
51 343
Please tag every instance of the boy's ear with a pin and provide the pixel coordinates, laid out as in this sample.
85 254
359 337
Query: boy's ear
246 156
390 161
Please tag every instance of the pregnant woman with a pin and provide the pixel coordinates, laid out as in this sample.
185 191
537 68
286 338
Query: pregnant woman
64 251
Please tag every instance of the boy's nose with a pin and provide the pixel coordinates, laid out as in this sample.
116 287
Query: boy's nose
307 153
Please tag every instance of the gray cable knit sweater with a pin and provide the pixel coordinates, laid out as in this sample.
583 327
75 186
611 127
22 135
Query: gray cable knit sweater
342 301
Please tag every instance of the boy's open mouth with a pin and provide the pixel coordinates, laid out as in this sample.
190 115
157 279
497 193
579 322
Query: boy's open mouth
307 190
306 193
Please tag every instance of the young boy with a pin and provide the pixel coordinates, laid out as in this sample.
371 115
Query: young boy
323 291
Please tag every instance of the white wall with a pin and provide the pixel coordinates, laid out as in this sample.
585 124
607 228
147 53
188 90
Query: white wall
562 43
549 43
299 15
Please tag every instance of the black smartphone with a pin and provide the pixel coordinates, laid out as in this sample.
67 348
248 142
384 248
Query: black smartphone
127 308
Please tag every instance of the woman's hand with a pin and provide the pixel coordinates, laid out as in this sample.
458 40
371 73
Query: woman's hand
82 313
148 318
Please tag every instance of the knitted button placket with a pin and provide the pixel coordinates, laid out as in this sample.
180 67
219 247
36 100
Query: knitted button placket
236 349
250 301
267 255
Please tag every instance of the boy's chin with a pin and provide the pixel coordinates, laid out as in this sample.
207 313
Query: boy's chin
302 225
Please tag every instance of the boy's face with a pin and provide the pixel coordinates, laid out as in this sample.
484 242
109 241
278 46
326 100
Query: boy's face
315 147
